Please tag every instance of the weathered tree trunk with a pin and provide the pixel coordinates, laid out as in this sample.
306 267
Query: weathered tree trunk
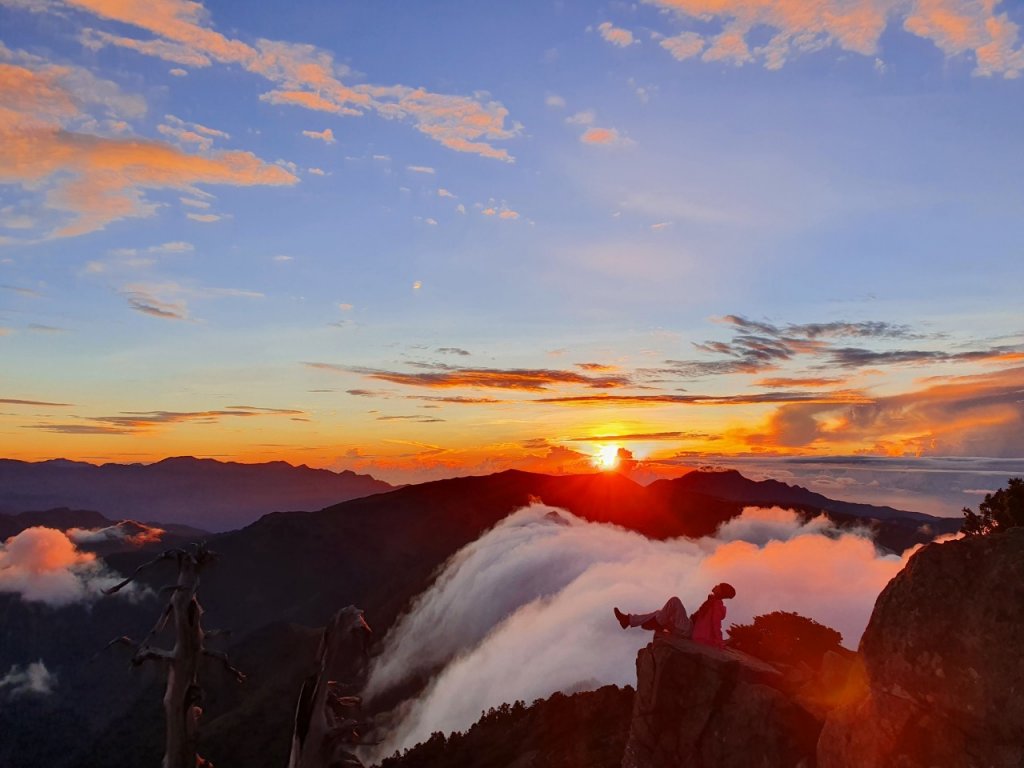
183 696
325 728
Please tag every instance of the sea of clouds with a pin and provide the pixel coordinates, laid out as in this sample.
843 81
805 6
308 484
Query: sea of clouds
526 609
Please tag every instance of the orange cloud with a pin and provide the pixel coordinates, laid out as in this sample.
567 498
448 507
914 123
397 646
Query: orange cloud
800 381
97 179
978 415
683 46
615 35
600 136
954 26
839 397
306 99
326 135
174 52
304 75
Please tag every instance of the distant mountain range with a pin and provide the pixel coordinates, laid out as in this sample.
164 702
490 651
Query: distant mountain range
293 569
203 493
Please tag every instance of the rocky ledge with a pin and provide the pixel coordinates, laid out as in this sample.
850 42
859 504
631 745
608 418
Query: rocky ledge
700 707
943 660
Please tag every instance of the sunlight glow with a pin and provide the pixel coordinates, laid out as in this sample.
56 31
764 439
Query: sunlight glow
607 457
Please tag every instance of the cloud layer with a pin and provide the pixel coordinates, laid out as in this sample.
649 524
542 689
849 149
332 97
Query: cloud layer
526 609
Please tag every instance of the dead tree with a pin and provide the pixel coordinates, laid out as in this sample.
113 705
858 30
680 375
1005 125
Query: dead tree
183 697
326 728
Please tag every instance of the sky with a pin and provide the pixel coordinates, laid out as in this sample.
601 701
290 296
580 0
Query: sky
432 239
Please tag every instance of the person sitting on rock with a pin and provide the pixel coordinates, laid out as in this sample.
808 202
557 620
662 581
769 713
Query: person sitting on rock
707 620
705 626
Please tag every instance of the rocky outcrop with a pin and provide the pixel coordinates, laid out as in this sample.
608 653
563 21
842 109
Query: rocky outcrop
943 662
701 707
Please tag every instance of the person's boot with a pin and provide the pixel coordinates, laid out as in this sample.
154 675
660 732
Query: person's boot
622 617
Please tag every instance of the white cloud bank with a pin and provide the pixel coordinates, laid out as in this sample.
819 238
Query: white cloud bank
526 610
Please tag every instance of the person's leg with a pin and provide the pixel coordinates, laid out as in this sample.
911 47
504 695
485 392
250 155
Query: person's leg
639 619
636 619
672 615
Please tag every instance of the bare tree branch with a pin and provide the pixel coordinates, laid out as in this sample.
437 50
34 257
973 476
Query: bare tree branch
165 555
223 659
151 654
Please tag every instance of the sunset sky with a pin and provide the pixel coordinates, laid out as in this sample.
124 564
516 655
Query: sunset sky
428 239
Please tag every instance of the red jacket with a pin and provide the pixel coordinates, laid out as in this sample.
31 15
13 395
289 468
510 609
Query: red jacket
707 623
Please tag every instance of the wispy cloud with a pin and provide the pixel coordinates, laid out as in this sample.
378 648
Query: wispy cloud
417 419
190 133
646 436
169 300
142 300
782 382
446 377
10 401
456 399
830 398
205 218
129 422
326 135
303 75
759 346
22 291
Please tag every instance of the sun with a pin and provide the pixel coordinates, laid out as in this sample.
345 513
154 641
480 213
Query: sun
607 457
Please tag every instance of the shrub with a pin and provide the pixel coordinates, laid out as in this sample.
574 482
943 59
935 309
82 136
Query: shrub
785 638
999 511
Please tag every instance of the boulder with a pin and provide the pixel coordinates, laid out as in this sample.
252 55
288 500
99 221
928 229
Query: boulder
701 707
943 661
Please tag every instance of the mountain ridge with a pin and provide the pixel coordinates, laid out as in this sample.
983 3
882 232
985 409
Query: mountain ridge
207 494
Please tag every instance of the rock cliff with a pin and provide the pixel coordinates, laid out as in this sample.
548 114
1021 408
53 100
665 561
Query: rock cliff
700 707
943 659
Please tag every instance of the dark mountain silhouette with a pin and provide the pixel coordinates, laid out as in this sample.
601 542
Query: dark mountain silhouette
377 552
204 493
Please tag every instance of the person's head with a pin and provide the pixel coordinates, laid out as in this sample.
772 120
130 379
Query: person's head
724 591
